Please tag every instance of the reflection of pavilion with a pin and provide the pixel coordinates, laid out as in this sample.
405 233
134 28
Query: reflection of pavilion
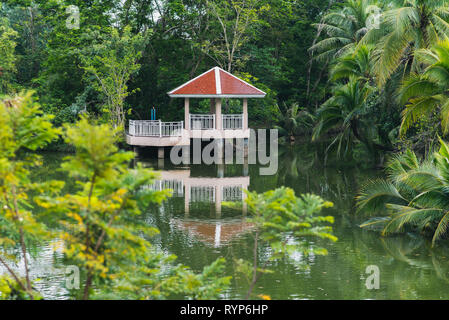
203 189
207 190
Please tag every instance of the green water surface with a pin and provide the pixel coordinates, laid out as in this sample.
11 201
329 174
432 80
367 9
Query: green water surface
409 267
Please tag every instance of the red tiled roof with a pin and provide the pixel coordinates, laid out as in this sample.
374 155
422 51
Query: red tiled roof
216 83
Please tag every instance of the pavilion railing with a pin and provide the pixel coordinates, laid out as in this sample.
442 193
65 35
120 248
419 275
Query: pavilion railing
202 194
202 121
232 121
207 121
155 128
177 186
172 129
232 193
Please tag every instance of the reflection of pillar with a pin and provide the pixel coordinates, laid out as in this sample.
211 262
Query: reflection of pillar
186 199
218 199
220 170
245 168
217 237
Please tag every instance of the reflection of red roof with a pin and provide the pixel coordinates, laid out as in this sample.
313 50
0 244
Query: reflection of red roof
216 83
207 230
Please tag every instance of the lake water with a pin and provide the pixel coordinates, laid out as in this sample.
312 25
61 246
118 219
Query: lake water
198 229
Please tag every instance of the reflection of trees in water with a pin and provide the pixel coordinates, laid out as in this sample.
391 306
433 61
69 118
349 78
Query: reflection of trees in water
419 270
409 268
415 251
301 168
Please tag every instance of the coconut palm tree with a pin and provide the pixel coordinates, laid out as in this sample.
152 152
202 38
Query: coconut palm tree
349 111
344 27
406 27
342 112
294 121
414 196
426 92
356 64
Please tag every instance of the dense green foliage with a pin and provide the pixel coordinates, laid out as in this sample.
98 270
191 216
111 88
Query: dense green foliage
384 60
98 225
112 63
22 128
366 76
348 69
7 56
425 93
415 195
288 225
262 41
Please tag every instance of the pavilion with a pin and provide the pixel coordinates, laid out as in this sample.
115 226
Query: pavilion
215 84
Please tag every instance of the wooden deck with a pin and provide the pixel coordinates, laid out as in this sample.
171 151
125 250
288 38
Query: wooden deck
164 134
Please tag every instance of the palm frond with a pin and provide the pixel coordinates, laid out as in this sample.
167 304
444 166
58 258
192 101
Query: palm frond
416 85
376 194
375 222
409 215
416 194
445 116
399 164
426 177
441 228
416 109
389 52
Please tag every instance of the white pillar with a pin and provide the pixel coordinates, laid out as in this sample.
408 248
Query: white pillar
219 148
245 113
187 113
218 200
229 151
218 122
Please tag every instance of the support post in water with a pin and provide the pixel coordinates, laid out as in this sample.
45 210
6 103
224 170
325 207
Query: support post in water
161 152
